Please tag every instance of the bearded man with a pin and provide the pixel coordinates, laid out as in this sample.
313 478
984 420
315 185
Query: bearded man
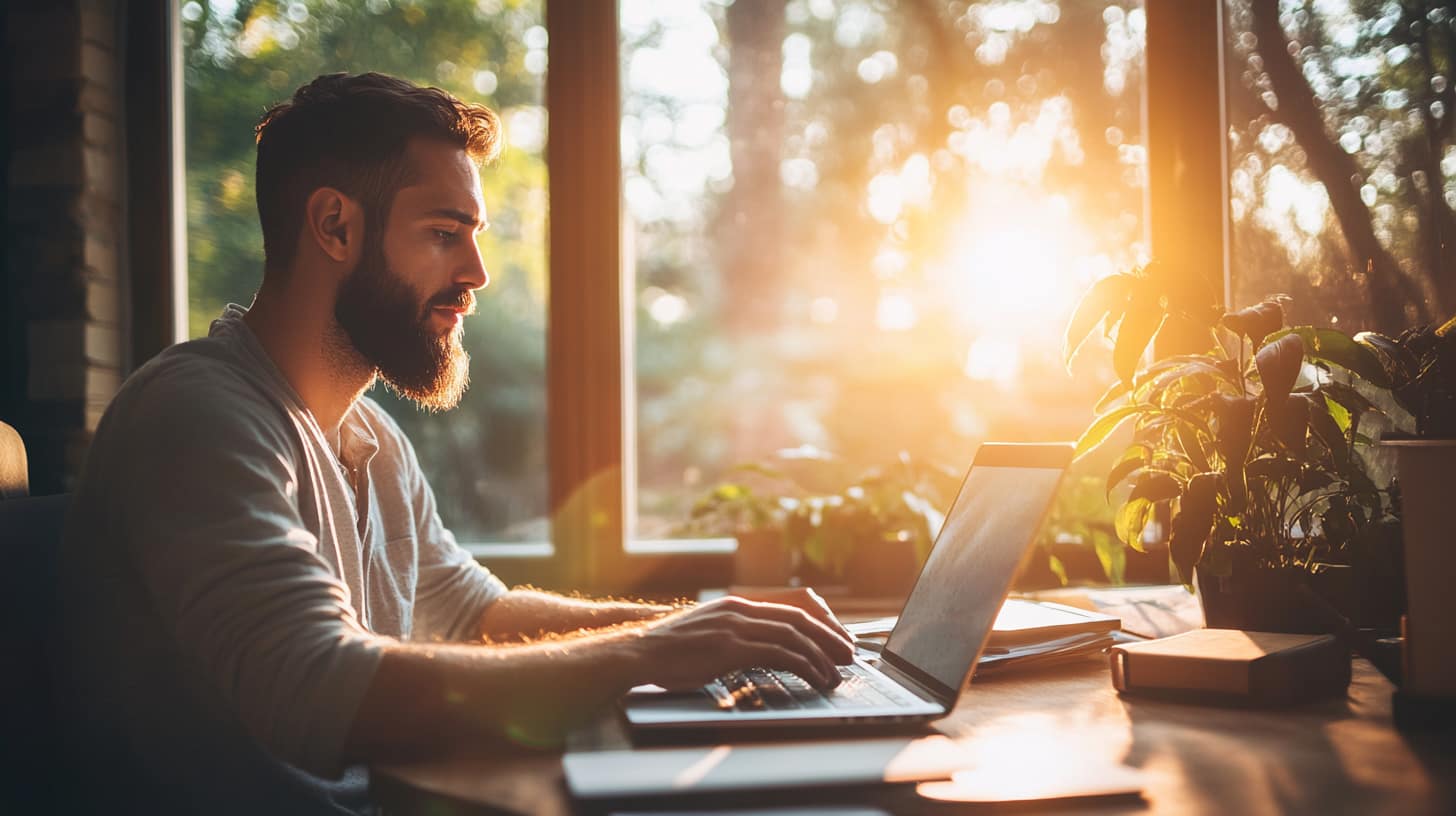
259 596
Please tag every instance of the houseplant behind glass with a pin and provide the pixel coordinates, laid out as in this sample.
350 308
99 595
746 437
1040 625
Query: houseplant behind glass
1248 445
806 515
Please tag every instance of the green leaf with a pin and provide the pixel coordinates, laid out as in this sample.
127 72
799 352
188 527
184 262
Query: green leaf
1159 377
1256 322
1337 348
1107 297
1113 557
1192 523
1398 362
1273 467
1103 426
1235 417
1347 396
1132 517
1192 447
1278 362
1058 568
1289 420
1339 413
1326 425
1155 487
1133 458
1144 316
1114 392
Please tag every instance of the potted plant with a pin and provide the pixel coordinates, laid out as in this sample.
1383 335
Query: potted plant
1079 542
1248 446
817 519
1421 363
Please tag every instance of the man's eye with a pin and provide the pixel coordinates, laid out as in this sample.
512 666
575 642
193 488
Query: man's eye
444 236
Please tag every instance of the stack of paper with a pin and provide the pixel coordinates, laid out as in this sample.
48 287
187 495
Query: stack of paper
1027 634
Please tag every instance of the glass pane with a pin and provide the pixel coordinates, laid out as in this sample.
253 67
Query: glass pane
1342 164
486 459
862 226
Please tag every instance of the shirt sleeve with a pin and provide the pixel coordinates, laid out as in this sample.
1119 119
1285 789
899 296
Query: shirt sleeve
452 589
212 512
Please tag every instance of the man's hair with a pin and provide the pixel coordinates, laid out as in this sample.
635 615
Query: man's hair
350 132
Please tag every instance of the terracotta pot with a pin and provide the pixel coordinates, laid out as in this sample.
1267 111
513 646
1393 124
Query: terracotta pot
762 560
882 569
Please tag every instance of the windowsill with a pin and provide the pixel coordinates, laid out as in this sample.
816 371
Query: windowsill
526 550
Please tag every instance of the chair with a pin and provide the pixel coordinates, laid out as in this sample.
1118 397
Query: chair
30 540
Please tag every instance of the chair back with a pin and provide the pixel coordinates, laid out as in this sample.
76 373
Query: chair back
14 470
30 541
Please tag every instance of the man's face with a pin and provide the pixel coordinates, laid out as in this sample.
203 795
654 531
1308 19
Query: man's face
402 306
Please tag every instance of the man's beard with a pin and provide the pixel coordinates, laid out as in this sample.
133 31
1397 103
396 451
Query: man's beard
389 327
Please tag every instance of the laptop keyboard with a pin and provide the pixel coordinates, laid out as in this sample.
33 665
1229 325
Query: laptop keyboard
766 690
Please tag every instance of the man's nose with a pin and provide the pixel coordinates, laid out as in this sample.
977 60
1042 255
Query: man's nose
472 274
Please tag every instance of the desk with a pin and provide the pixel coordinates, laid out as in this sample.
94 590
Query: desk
1334 757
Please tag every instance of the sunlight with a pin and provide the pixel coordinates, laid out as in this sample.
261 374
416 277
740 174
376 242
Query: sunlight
1016 271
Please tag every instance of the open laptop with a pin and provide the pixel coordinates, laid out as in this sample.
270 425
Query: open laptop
940 633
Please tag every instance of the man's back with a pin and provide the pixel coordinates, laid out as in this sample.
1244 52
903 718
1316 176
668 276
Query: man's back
225 577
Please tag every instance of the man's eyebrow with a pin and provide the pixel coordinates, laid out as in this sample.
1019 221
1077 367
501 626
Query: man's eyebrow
457 215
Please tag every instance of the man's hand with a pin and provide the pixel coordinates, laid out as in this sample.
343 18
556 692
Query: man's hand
690 648
804 598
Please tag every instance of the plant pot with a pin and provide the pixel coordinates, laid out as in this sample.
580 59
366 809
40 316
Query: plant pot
882 569
1258 600
1424 468
762 560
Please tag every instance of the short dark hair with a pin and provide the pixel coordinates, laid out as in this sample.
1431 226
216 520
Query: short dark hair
350 132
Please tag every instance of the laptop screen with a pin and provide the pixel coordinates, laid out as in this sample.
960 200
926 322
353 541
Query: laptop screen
960 590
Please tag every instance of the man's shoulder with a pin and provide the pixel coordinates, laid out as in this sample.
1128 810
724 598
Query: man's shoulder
199 380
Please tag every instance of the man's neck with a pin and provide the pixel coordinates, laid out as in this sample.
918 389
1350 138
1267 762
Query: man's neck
300 334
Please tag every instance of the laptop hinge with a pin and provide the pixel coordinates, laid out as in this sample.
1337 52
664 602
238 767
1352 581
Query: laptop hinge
909 682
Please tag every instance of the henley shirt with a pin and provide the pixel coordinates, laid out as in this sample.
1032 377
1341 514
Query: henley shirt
229 583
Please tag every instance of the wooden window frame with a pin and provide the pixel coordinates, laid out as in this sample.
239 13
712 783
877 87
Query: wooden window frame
590 404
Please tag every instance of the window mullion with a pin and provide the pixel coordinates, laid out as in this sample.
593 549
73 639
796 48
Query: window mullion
584 332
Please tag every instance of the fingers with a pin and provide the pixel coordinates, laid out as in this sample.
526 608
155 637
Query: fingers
773 656
815 606
804 598
838 647
775 645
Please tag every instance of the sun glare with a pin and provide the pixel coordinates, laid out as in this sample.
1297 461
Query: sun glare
1016 272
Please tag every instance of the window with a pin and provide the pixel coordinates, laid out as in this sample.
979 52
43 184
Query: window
862 226
1342 160
848 224
487 459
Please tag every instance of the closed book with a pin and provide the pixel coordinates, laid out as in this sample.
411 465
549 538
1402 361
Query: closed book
1233 666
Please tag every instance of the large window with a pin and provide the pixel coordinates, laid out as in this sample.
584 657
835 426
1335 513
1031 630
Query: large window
850 224
861 226
1342 159
486 459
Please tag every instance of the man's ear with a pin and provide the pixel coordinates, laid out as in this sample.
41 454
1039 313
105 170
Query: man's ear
335 224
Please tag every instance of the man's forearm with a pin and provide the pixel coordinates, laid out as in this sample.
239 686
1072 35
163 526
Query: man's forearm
424 699
527 613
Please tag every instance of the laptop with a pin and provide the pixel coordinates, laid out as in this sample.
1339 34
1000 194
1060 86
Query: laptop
940 633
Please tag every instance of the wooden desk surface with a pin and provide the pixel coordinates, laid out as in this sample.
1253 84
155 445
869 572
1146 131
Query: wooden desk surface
1336 757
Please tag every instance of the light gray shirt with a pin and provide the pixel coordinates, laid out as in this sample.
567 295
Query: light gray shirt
229 582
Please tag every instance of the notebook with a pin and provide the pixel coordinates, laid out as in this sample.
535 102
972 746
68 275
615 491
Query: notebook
934 645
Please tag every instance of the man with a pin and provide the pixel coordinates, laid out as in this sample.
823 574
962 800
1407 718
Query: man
259 595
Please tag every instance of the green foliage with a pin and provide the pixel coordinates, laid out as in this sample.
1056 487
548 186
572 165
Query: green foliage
1419 366
487 462
825 507
1248 447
